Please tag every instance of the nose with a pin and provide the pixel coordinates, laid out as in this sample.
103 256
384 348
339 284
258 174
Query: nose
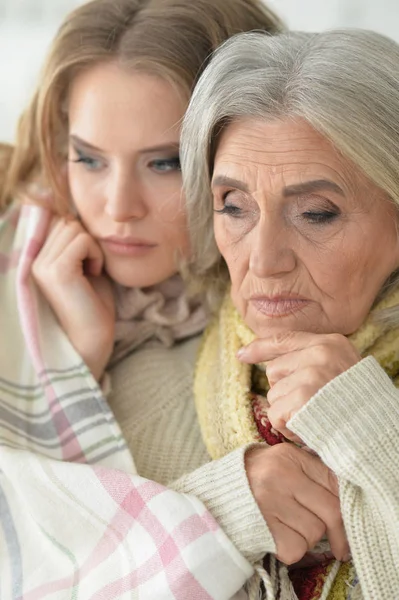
124 200
271 252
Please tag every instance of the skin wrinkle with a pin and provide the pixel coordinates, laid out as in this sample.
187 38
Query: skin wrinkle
270 248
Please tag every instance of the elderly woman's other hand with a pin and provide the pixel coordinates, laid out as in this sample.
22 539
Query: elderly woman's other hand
298 365
298 497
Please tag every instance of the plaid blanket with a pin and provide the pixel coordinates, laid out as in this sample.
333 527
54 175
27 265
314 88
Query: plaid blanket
77 522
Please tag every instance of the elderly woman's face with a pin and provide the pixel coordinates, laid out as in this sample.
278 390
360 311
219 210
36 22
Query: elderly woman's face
308 239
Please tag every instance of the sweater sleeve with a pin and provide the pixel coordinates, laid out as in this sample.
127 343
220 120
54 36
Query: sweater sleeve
223 487
353 424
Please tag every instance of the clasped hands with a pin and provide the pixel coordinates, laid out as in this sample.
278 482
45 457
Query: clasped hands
296 492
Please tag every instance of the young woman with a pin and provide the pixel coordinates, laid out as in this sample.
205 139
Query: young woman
92 295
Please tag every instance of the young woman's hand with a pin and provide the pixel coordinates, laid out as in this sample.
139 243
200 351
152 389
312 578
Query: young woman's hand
298 497
298 364
68 270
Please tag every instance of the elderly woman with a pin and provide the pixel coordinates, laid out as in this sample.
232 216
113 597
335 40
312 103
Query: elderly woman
296 140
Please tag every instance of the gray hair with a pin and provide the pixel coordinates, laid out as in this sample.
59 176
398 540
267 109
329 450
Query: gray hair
344 83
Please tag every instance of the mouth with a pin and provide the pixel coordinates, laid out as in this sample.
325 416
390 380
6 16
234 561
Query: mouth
279 306
127 246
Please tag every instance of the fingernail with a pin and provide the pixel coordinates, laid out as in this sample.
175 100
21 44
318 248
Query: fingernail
241 353
347 557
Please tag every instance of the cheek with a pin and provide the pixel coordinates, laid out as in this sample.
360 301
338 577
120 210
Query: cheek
220 236
81 190
354 276
236 256
164 198
171 219
371 258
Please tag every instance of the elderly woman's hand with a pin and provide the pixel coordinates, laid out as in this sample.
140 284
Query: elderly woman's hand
298 497
298 364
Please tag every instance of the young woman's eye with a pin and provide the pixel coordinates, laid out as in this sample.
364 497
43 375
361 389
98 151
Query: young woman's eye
90 163
165 165
319 217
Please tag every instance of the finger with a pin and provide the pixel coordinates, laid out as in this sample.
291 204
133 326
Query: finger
327 508
53 228
283 366
313 356
83 254
299 518
323 502
316 470
290 545
267 349
296 384
287 397
61 233
93 264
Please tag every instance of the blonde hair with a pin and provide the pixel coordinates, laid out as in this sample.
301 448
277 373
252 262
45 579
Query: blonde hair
169 38
344 83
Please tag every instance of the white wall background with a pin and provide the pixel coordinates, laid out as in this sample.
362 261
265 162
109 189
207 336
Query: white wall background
27 26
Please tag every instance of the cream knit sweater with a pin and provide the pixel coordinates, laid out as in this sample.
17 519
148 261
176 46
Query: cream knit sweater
353 424
152 399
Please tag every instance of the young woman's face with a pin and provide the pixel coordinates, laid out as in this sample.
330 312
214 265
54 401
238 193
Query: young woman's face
124 171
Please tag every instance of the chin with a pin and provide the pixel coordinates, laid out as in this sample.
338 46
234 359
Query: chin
138 278
265 326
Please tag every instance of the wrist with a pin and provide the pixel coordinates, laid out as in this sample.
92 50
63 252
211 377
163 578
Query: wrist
96 359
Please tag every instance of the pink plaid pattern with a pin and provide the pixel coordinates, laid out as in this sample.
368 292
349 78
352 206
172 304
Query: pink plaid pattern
77 521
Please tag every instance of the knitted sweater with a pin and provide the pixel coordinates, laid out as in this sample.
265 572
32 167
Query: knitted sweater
353 424
152 400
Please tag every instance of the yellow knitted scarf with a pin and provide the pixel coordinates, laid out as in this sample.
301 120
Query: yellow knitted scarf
222 384
225 409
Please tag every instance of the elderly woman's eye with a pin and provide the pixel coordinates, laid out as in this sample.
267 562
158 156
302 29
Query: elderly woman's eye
319 217
229 209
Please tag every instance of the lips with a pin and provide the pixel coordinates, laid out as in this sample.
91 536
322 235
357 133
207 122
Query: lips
128 241
279 306
127 246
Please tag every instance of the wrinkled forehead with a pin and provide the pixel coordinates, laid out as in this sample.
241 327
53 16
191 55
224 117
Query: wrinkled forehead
257 139
279 153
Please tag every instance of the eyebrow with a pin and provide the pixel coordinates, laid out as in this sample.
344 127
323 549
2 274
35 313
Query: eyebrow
161 148
308 187
223 181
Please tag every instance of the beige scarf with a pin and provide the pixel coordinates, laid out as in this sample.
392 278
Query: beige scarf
223 385
164 312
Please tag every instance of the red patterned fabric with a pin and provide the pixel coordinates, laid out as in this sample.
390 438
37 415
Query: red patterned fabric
270 435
